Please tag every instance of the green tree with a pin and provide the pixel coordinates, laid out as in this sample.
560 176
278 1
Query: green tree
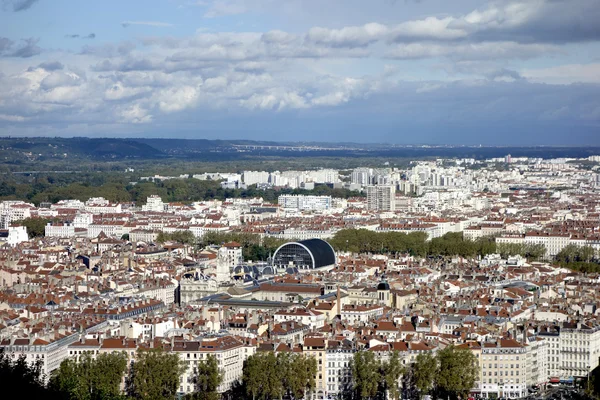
457 371
206 380
366 374
155 375
301 376
270 376
36 227
184 237
424 372
252 377
89 378
392 370
21 376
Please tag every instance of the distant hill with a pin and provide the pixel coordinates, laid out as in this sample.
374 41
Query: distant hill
17 150
79 147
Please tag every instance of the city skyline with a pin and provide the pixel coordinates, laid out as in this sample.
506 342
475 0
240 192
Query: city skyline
431 72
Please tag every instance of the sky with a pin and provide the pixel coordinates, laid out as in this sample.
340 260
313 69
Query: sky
459 72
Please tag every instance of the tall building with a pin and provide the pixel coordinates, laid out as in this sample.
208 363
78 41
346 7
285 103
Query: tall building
154 203
381 198
361 176
255 177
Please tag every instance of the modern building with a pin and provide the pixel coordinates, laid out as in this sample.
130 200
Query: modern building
305 203
154 203
305 255
381 198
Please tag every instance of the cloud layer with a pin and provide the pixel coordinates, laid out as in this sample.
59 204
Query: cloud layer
461 72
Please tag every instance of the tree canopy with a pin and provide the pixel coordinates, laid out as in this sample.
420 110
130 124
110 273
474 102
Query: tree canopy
155 375
457 371
414 243
268 376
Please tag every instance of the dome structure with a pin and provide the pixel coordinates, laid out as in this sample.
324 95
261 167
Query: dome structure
305 254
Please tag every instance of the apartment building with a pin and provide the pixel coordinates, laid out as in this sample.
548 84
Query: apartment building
304 203
503 369
338 377
381 198
574 348
228 351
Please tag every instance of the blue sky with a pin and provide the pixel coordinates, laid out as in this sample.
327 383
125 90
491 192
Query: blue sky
505 72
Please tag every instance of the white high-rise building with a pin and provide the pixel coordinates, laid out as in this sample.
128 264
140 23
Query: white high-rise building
381 198
154 203
361 176
325 176
255 177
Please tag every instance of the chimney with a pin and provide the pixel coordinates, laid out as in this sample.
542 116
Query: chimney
339 302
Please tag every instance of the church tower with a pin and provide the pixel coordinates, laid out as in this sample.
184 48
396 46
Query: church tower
223 274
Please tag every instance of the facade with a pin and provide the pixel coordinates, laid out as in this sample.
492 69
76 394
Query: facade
574 349
232 254
338 356
356 314
503 368
154 203
304 203
228 351
13 235
59 230
255 177
381 198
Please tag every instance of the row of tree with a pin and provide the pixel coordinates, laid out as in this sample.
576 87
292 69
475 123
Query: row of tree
118 189
254 247
269 376
450 373
527 250
373 378
154 375
579 258
414 243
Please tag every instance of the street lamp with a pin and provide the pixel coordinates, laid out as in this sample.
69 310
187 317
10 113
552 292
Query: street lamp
588 378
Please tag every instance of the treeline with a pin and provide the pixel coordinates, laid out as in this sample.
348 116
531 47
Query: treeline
172 190
449 374
254 247
373 378
529 251
414 243
154 375
579 258
285 375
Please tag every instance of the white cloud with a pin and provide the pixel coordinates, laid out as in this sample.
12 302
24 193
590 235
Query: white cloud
472 51
12 118
135 114
176 99
565 74
157 24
